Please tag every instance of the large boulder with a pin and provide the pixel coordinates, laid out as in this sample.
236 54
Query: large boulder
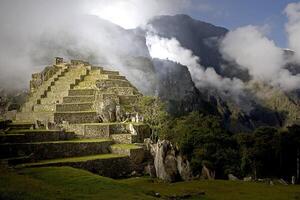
169 165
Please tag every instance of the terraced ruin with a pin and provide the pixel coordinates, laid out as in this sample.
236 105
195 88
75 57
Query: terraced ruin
77 115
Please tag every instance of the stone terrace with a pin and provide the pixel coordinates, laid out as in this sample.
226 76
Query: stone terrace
81 116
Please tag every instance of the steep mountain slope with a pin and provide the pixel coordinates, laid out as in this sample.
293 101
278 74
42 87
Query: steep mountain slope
175 86
279 101
198 36
274 109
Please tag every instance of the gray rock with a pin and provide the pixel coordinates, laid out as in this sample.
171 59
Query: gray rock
247 179
150 170
168 165
206 173
231 177
184 168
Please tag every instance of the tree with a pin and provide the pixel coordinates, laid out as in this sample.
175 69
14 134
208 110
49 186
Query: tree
290 155
153 111
206 143
260 152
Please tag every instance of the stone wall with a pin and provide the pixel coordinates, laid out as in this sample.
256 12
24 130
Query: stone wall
39 78
51 150
110 167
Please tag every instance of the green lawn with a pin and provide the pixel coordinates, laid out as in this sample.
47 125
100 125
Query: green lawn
70 183
126 146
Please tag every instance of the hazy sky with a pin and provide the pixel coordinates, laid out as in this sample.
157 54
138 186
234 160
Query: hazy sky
228 13
235 13
32 30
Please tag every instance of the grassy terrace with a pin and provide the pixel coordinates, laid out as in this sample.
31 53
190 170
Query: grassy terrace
126 146
73 159
70 183
22 123
114 123
33 131
73 141
11 134
86 111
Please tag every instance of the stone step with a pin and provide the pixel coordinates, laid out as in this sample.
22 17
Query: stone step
79 99
75 117
35 135
17 160
96 72
90 130
121 90
135 152
44 107
110 165
86 85
113 83
42 90
98 130
109 72
95 77
74 107
31 117
106 130
56 149
19 126
81 92
61 86
53 97
124 138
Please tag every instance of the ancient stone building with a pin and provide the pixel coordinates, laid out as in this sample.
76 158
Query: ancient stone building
78 115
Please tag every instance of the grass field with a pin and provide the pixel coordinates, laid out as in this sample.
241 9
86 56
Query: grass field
70 183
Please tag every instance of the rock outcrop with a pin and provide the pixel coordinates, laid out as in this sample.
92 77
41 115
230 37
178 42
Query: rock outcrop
169 165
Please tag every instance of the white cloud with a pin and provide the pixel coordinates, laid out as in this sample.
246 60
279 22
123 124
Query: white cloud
171 49
293 28
132 13
251 50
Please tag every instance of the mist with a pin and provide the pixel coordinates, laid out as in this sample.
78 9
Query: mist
171 49
292 12
265 62
33 32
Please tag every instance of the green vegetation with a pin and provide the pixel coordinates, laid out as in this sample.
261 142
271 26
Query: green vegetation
70 183
154 113
203 139
32 131
126 146
266 152
73 159
269 152
96 140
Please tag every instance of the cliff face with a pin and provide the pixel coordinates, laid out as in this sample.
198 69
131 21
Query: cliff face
175 86
198 36
284 103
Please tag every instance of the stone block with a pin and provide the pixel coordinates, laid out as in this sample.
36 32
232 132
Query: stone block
75 117
81 92
78 99
74 107
123 138
55 149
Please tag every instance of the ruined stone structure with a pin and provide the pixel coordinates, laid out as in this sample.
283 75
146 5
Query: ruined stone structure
78 115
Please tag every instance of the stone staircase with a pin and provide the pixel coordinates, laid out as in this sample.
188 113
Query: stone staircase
87 134
79 108
41 104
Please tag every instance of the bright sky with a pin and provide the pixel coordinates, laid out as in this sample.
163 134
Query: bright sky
227 13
